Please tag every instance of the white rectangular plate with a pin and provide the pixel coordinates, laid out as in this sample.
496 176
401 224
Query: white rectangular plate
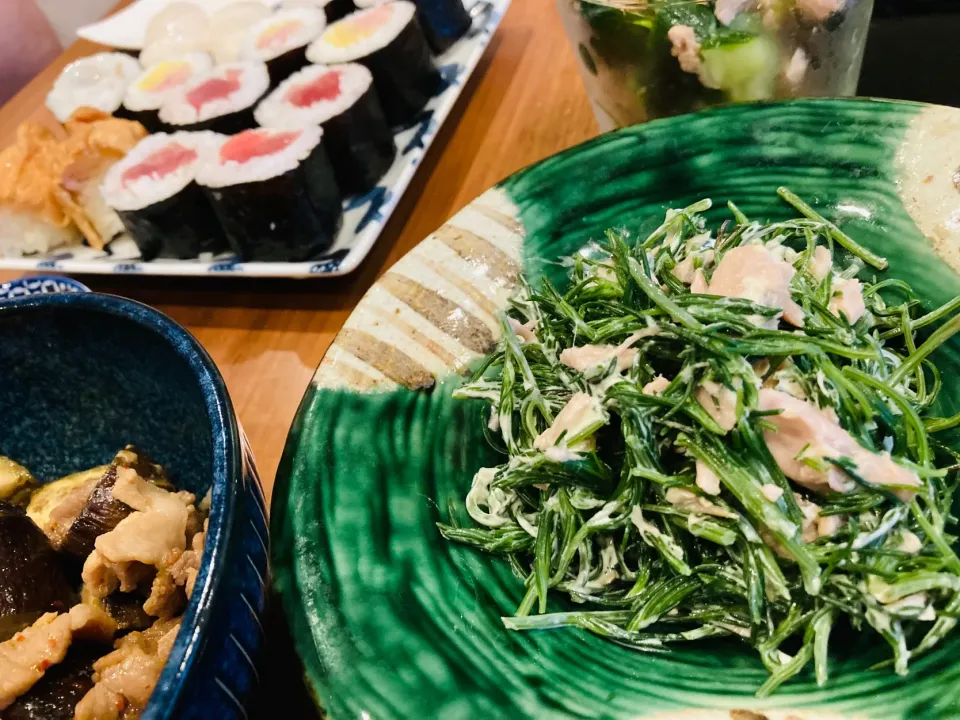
363 217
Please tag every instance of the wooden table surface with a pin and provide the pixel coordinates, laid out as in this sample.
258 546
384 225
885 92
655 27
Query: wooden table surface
524 102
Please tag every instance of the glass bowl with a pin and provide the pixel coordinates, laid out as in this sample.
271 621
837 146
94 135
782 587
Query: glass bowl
644 59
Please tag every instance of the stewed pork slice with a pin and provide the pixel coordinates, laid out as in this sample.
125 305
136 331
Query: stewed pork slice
801 431
89 622
126 677
753 273
26 656
173 584
125 556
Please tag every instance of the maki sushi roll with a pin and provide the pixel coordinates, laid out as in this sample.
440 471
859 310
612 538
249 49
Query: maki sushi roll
274 192
342 100
221 99
280 40
388 40
99 81
230 25
444 21
148 92
154 192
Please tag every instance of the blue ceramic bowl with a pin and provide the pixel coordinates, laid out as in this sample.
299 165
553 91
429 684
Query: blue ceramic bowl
82 375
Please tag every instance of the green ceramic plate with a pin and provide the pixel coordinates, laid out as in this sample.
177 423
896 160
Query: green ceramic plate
392 621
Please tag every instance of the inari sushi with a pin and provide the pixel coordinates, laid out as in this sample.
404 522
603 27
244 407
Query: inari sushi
280 40
444 21
388 40
154 192
274 193
221 99
342 100
98 81
158 82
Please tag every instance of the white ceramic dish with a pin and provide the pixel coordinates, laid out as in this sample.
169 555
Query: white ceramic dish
126 29
364 216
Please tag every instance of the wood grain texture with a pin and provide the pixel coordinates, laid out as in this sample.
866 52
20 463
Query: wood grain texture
524 102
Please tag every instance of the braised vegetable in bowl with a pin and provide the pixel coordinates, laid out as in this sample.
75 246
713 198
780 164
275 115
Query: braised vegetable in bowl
724 433
643 59
95 571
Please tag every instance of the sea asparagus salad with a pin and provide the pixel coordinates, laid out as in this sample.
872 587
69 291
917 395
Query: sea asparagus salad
723 432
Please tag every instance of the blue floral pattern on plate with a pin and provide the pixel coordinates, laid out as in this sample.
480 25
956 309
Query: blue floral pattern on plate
40 286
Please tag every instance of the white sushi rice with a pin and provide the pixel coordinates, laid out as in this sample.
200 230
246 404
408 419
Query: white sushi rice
254 81
325 52
306 3
98 81
26 233
364 4
148 190
217 172
310 23
277 110
138 97
229 27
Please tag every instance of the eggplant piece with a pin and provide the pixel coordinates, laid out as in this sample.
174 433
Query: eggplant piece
16 482
32 580
54 496
101 513
57 693
126 609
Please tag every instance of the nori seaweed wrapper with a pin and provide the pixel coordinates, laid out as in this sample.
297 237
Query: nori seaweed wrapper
124 113
283 66
150 119
32 579
228 124
360 144
56 694
404 74
101 513
444 22
292 217
182 226
337 9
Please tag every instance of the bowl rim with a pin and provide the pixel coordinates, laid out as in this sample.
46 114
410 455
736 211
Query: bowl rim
227 471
